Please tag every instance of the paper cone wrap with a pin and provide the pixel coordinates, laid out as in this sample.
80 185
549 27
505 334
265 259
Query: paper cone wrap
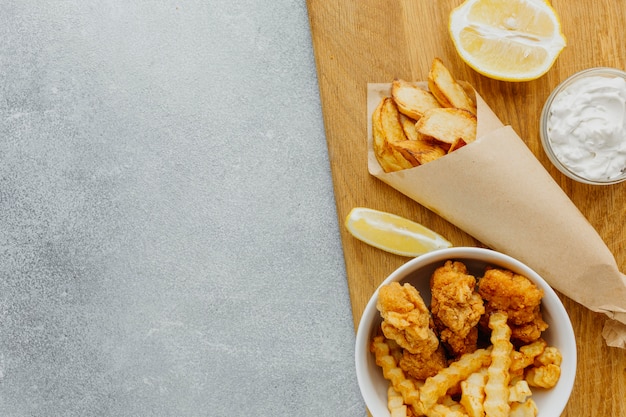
497 191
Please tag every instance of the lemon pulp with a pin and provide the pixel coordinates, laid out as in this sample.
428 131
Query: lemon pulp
393 233
511 40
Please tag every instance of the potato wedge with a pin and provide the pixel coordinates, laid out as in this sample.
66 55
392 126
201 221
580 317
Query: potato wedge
390 117
448 125
447 91
386 128
408 125
458 143
411 99
419 152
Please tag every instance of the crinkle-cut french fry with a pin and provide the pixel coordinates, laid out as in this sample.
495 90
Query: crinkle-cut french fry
441 410
409 389
519 391
395 403
526 409
394 349
394 374
386 361
545 376
451 403
497 388
547 369
550 356
526 355
436 386
473 393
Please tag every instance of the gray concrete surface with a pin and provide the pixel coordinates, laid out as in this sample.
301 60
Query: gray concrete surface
168 236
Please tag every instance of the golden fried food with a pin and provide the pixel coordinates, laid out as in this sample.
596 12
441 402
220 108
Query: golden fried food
492 381
456 307
550 355
458 143
526 409
443 410
473 393
408 125
497 388
415 125
419 152
411 99
435 387
525 356
519 391
518 297
546 370
447 125
392 372
406 319
395 403
447 90
545 376
387 129
421 366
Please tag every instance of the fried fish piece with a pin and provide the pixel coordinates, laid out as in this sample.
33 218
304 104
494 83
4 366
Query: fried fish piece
519 298
406 318
456 307
421 367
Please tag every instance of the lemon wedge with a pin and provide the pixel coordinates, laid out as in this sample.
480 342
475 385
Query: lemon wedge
393 233
509 40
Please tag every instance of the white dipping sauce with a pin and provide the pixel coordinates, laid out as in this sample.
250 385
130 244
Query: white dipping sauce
587 127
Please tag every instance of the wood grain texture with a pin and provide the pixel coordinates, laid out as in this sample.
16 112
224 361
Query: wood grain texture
360 41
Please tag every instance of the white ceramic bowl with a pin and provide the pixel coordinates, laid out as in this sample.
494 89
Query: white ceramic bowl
573 100
418 271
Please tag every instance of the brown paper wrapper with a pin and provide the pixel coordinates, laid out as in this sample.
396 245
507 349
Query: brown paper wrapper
497 191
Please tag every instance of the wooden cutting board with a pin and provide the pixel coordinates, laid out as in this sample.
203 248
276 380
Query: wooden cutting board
365 41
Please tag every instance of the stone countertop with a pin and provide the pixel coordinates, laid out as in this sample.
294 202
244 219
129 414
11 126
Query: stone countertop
168 234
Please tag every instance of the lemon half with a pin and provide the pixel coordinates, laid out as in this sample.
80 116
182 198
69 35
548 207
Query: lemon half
509 40
393 233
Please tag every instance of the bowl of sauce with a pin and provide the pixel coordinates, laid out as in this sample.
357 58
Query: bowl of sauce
583 126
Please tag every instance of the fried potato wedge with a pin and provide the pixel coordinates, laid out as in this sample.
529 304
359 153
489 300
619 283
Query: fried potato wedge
458 143
386 129
408 125
439 121
390 118
412 100
448 125
419 152
447 91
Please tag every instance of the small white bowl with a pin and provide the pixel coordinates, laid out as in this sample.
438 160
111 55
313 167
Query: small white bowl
418 272
588 144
